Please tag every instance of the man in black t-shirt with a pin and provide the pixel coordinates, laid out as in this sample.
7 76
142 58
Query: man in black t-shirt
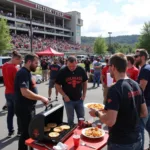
44 66
26 97
144 81
124 106
87 66
54 69
71 83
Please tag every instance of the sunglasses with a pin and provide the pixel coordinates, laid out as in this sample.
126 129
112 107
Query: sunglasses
136 56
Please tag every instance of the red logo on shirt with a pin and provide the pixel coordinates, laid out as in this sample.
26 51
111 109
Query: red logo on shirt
74 81
109 100
54 69
133 94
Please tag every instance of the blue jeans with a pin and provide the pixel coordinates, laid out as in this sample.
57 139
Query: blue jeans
10 114
96 78
134 146
145 124
74 105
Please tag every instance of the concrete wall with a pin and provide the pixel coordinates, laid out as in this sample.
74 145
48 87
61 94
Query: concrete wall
76 26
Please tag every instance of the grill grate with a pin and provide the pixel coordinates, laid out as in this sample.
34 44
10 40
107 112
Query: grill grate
63 135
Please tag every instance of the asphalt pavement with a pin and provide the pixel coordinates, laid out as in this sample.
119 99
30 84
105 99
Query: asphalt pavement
93 95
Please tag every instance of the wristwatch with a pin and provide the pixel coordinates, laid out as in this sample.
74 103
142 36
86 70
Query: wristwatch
96 113
64 96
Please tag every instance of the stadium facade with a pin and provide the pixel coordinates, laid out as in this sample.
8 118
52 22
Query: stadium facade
27 17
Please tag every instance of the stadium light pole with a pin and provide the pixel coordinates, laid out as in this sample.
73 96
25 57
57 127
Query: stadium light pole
31 35
110 41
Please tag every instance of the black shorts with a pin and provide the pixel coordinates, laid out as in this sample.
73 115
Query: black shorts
52 83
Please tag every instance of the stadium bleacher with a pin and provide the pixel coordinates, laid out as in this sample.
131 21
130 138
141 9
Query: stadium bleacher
22 41
39 43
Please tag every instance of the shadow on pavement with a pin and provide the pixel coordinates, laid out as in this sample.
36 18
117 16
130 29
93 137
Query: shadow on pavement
1 83
92 88
7 141
3 113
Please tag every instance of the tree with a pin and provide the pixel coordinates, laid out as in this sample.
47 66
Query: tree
5 38
100 46
144 39
123 48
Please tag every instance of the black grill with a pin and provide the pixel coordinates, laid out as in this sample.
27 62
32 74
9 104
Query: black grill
54 114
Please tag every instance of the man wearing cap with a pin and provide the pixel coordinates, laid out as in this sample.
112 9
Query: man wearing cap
54 69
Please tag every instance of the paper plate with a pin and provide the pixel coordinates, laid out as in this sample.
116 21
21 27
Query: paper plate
87 104
83 133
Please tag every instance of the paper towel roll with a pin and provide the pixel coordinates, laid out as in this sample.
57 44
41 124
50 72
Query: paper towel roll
109 80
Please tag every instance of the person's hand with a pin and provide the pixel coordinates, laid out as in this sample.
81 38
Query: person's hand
103 111
82 97
45 100
66 98
92 112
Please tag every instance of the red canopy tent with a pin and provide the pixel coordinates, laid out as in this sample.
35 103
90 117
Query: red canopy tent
49 52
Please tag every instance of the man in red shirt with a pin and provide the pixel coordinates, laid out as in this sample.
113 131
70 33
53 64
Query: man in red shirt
105 70
9 71
132 71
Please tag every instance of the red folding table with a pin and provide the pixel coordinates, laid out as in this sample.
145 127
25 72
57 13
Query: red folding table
97 143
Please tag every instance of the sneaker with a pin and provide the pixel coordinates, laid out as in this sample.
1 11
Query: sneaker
10 134
18 134
4 107
56 98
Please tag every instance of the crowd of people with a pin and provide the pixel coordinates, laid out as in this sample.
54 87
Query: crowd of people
127 99
39 43
22 41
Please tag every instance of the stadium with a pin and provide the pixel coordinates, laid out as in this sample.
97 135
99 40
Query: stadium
34 26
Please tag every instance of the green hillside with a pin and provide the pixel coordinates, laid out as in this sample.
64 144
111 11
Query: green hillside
124 39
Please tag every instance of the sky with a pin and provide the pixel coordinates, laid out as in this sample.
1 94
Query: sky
121 17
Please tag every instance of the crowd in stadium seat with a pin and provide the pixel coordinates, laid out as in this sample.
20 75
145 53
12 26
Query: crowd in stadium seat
23 41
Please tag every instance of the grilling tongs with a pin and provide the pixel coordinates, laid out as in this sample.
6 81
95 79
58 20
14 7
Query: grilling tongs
43 145
50 104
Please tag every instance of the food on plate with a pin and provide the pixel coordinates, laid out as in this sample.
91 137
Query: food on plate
58 129
52 125
47 129
96 106
93 132
53 134
65 127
